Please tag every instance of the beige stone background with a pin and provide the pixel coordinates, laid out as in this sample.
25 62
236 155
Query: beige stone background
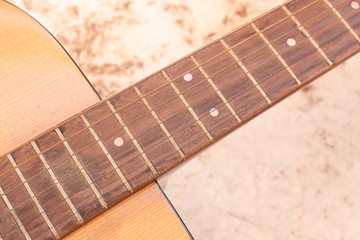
292 173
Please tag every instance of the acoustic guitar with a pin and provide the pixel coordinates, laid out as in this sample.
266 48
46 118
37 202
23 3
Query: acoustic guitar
68 159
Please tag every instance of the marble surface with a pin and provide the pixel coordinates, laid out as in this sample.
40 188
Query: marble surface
292 173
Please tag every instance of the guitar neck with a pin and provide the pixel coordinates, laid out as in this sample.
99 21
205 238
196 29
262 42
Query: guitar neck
97 158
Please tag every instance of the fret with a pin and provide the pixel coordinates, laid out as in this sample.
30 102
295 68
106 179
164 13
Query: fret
191 110
129 150
303 57
248 50
251 101
240 91
128 159
5 167
104 121
35 200
47 191
58 184
303 30
69 172
188 106
273 23
33 221
282 25
24 207
73 176
210 108
117 119
145 129
261 91
307 10
262 64
75 144
156 117
171 110
11 226
113 163
277 54
349 11
274 80
299 5
56 157
12 186
356 36
207 105
134 141
95 165
216 89
213 58
178 72
294 47
335 41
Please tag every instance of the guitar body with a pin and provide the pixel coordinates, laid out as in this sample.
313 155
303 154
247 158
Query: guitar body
146 215
41 87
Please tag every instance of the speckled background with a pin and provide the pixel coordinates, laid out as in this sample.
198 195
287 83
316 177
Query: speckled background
292 173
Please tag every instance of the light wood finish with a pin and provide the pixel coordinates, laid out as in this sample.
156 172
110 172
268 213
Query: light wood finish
41 86
147 208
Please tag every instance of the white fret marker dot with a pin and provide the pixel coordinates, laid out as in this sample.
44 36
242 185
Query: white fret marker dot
119 142
291 42
355 5
214 112
188 77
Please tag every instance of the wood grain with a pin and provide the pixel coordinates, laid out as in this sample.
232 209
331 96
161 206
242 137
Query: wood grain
351 16
325 36
147 208
37 73
9 228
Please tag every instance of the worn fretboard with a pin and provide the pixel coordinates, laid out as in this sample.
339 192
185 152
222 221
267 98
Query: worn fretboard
66 176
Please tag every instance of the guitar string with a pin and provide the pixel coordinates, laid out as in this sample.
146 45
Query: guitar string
126 194
229 117
116 94
265 46
103 176
112 133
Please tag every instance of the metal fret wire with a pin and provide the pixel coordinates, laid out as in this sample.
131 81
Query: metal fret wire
15 216
59 186
230 116
37 203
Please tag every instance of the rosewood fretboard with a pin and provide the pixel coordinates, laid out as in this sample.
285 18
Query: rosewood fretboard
54 183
